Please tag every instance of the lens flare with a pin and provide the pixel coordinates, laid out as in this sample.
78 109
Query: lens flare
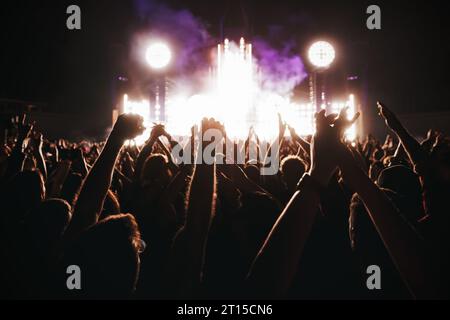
321 54
158 55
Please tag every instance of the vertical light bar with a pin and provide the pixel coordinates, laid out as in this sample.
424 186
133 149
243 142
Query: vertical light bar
242 47
125 103
219 63
351 132
250 54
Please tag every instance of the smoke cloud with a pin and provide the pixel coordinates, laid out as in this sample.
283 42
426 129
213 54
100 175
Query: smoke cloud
280 67
281 70
186 33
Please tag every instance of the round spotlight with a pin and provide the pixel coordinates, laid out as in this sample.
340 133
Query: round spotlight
158 55
321 54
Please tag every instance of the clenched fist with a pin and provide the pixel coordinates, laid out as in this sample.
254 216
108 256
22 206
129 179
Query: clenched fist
128 126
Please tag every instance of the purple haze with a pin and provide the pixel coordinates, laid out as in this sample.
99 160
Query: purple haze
281 69
186 33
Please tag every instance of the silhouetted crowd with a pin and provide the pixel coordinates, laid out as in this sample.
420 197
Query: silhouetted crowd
113 220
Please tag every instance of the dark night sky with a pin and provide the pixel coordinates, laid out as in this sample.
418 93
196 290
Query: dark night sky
405 63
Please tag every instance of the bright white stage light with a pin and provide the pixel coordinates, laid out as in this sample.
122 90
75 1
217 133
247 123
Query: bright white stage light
158 55
236 86
321 54
350 134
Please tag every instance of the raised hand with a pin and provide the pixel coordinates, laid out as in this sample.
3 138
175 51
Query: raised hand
157 131
97 182
389 117
211 123
296 138
323 144
210 128
342 123
24 129
412 147
281 127
292 132
276 265
38 140
128 126
431 135
251 131
329 133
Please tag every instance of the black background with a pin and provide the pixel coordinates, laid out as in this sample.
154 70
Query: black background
405 64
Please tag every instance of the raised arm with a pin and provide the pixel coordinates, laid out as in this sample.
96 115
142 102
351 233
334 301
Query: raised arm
171 163
276 264
411 145
190 244
15 160
302 142
242 182
57 178
404 245
146 151
38 154
93 192
275 146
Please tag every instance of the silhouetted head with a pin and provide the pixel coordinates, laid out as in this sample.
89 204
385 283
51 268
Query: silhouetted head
111 206
4 155
25 192
440 162
29 163
407 190
253 173
155 175
108 257
370 249
256 217
47 222
374 170
378 154
71 187
400 179
292 168
364 237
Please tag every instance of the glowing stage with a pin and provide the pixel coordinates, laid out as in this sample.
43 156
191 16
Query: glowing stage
238 100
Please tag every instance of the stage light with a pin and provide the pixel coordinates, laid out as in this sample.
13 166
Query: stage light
351 133
158 55
236 86
237 99
321 54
